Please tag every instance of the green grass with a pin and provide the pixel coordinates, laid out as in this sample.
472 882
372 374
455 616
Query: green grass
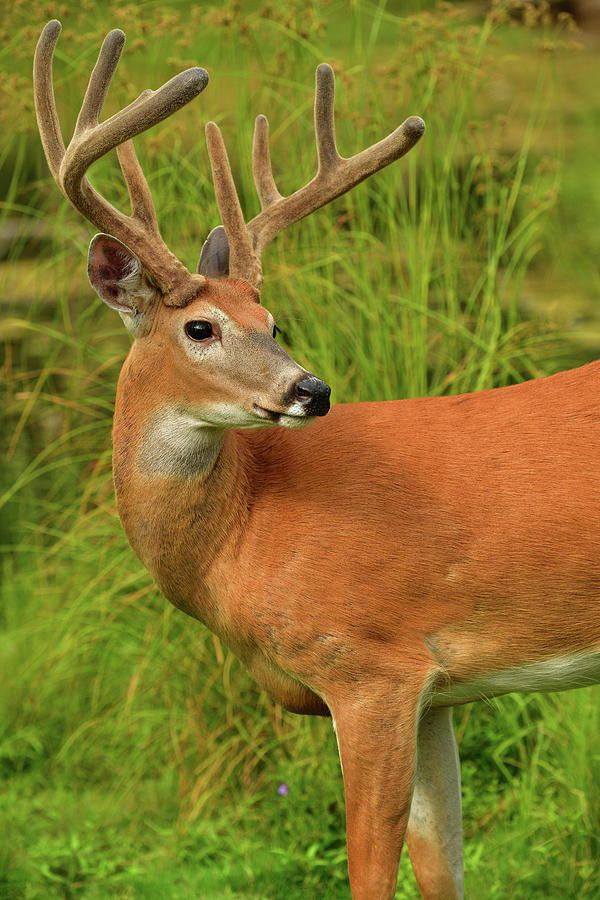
138 758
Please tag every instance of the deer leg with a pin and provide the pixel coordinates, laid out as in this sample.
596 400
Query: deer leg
434 835
377 742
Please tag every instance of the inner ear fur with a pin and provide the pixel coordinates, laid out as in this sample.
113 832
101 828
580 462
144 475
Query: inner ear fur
117 276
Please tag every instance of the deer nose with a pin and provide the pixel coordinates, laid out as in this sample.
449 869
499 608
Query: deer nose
313 394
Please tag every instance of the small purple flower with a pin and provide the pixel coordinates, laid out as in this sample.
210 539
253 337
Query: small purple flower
282 790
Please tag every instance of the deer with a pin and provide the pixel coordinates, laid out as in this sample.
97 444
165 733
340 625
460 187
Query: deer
391 561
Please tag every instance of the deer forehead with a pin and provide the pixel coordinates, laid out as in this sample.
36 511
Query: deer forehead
230 312
236 300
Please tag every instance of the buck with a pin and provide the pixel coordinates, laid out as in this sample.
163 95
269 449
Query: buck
380 567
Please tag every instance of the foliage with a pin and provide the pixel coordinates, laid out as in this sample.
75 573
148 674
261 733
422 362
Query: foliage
140 760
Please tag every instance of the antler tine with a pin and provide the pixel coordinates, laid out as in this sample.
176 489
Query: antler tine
335 174
43 92
142 205
327 153
99 83
261 164
243 262
92 140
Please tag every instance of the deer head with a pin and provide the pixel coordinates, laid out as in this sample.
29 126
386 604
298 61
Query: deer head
207 330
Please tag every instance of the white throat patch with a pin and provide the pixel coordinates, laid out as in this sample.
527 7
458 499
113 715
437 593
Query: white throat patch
177 444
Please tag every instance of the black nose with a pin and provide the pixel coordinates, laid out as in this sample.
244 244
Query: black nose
313 394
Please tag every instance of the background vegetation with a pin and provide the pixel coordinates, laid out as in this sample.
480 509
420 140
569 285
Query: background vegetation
138 759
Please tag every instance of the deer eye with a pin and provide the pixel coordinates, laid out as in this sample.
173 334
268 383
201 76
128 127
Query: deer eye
199 330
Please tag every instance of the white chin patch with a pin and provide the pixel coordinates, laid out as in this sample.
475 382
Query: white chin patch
295 421
294 418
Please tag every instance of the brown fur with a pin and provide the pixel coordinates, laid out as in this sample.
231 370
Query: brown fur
388 548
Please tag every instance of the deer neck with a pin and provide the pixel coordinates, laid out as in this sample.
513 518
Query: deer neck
181 489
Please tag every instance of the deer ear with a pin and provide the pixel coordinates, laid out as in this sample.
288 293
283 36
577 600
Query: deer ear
117 276
214 259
